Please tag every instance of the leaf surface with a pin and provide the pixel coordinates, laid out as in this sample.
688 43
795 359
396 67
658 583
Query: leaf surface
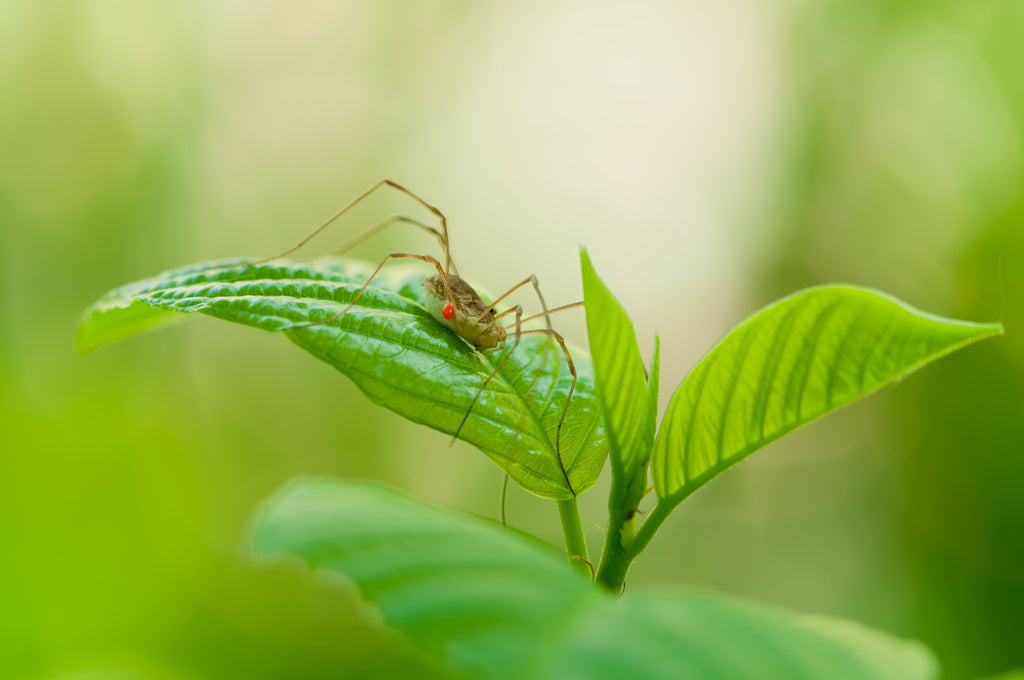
793 361
493 603
621 386
394 351
670 634
481 597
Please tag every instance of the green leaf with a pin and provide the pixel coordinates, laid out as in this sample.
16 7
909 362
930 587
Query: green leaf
621 387
394 351
653 385
674 634
495 604
791 362
482 598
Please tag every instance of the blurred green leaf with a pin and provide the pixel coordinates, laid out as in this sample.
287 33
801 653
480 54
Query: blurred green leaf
394 351
496 604
673 634
789 363
621 387
121 674
463 587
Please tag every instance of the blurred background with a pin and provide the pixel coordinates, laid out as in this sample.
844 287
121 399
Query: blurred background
713 156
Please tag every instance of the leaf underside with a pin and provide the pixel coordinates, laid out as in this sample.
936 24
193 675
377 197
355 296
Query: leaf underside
795 360
492 603
394 351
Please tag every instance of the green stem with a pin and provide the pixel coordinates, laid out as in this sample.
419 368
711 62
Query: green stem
615 559
572 529
647 530
624 543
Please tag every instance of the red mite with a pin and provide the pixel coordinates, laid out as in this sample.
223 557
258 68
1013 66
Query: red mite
448 311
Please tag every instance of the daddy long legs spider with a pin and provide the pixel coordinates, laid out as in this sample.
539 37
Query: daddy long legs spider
454 303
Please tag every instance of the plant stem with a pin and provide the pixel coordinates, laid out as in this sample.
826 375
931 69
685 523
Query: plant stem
647 530
624 543
611 573
572 529
615 558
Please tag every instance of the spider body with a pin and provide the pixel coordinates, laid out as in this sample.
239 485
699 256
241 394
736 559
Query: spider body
465 313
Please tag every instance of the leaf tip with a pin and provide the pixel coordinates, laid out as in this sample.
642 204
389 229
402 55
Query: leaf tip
981 331
85 339
585 263
83 348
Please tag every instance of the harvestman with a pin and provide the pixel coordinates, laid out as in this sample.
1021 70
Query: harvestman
454 303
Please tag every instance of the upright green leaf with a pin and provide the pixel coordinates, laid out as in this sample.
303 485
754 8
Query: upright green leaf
495 604
621 386
653 385
791 362
394 351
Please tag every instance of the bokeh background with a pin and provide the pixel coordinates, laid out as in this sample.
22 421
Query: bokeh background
713 156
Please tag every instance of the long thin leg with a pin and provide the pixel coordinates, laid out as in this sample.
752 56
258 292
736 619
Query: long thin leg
549 312
381 226
565 409
448 266
547 316
421 258
543 305
519 333
540 296
497 367
532 279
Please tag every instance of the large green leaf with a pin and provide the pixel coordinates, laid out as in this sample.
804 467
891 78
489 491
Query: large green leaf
789 363
481 597
494 604
672 634
621 386
397 354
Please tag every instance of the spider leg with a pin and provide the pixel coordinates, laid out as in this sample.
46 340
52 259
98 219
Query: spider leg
494 372
572 387
391 256
449 265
